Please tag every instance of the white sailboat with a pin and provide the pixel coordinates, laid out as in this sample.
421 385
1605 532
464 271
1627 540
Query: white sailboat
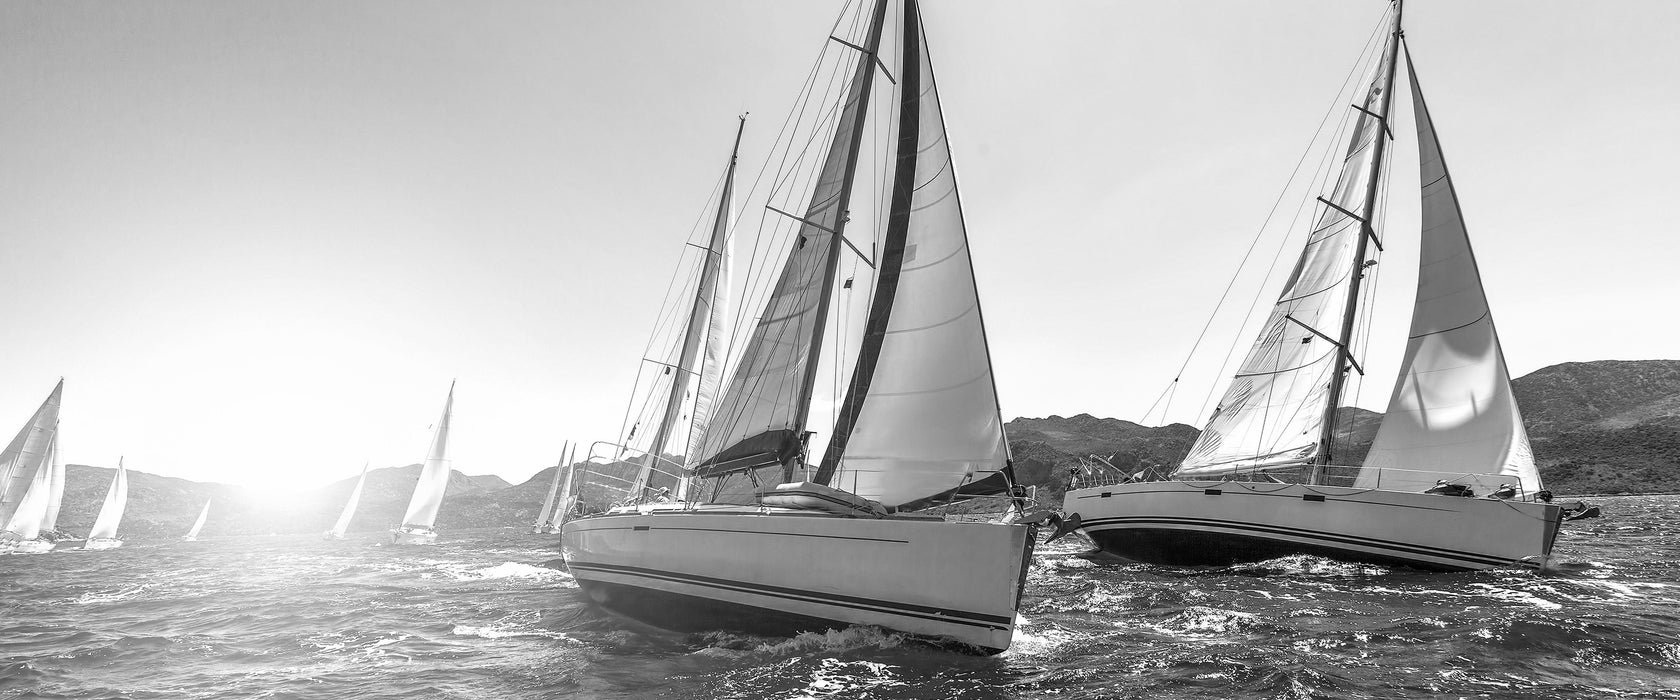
343 522
551 514
198 525
416 527
765 543
104 532
1262 480
26 474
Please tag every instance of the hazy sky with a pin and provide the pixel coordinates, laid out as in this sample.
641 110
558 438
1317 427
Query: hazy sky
258 239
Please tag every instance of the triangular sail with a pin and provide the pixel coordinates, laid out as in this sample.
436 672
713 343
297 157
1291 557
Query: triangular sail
545 514
434 476
198 525
921 415
116 500
26 521
759 420
26 454
343 523
1452 411
706 321
1273 413
55 493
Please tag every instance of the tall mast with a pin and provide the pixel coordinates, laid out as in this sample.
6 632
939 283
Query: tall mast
703 302
1338 374
864 80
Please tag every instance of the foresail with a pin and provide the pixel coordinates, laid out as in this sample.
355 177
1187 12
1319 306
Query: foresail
27 453
1452 411
55 494
434 476
921 415
758 420
349 512
116 500
717 325
1272 414
25 522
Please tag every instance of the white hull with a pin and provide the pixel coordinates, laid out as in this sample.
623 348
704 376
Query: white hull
26 547
405 535
102 543
1226 522
780 571
188 538
330 536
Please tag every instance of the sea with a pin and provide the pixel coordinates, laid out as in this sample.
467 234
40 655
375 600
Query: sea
493 614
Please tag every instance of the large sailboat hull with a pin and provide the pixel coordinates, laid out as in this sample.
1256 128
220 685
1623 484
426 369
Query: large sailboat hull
1218 523
781 572
406 535
26 547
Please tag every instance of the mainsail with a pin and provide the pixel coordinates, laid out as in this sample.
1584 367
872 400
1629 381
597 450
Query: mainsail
921 416
110 514
434 476
1274 412
26 454
343 523
198 525
760 420
1452 411
707 320
26 521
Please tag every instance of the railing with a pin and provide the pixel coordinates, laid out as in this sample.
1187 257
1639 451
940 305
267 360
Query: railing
1089 475
607 477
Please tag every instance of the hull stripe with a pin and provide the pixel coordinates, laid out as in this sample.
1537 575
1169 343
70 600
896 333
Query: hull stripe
742 532
1124 523
926 612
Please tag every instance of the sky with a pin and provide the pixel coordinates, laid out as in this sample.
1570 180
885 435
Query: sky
258 240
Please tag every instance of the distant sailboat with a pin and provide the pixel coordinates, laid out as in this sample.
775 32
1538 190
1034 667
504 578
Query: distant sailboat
198 525
766 542
546 520
343 524
422 512
1261 481
104 532
26 479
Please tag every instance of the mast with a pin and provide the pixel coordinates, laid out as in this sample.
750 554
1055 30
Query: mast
1344 340
864 79
705 297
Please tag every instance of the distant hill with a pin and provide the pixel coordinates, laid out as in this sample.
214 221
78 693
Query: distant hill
1596 427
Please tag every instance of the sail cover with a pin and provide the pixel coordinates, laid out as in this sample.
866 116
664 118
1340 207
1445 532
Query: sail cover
1452 411
116 500
921 414
27 453
434 476
1273 412
757 421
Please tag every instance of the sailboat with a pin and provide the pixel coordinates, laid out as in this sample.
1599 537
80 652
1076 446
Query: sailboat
198 525
761 541
416 527
1450 482
552 514
26 475
343 523
104 532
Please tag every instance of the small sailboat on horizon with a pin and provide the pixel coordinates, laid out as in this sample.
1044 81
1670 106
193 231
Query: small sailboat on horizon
416 527
336 532
1449 483
104 532
553 513
198 525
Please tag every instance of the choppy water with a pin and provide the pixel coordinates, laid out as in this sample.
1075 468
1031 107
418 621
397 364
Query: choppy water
480 616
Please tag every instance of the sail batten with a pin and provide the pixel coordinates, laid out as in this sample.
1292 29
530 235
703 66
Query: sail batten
1452 411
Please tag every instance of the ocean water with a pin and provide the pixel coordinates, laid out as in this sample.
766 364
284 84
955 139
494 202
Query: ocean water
489 614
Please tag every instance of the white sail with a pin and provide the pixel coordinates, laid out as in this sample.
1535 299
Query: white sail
55 494
198 525
116 500
27 453
434 476
565 506
545 513
349 512
26 521
710 379
1272 414
1452 411
922 418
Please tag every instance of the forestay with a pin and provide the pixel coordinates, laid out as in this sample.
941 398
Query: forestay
434 476
1272 414
1452 411
920 418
